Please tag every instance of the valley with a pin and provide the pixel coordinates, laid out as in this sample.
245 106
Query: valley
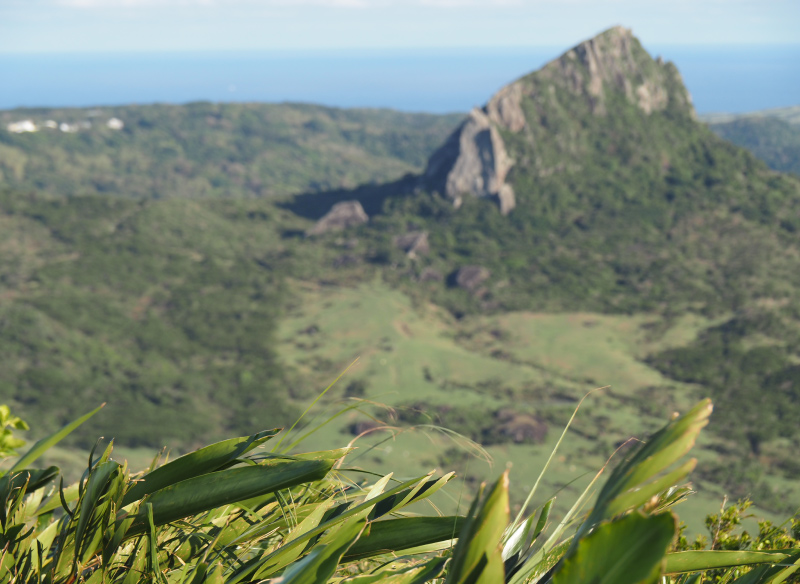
613 240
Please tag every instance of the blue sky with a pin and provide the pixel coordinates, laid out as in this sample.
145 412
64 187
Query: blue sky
31 26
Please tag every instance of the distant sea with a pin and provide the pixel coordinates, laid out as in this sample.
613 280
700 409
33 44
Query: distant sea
720 79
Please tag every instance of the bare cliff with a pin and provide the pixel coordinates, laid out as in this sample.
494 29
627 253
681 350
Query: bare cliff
530 124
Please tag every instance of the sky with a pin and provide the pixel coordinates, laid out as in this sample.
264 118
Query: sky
96 26
414 55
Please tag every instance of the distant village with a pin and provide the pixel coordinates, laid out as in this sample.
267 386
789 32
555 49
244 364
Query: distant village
24 126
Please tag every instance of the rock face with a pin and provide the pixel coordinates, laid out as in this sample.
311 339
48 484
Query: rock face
614 62
413 243
543 108
342 215
473 162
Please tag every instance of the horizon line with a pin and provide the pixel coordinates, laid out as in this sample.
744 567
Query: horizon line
328 50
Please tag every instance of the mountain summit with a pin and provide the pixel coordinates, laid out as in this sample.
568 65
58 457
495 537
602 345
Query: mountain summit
538 123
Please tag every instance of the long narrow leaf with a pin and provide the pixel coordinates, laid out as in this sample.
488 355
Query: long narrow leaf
546 466
199 462
396 535
478 558
41 446
701 560
213 490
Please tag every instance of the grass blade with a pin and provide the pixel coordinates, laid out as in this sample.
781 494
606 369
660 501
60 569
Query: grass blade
213 490
199 462
701 560
395 535
48 442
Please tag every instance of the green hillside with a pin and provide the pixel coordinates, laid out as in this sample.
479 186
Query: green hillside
164 309
641 251
218 150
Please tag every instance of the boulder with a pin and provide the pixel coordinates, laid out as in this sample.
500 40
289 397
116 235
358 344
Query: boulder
341 216
413 243
521 428
470 277
431 275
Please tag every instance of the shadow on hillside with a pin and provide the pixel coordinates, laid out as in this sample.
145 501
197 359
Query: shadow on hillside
372 197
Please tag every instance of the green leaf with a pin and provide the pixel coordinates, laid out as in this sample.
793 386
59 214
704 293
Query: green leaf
641 495
662 449
627 551
417 574
152 547
478 555
215 489
700 560
96 487
48 442
323 560
524 535
199 462
550 459
395 535
375 507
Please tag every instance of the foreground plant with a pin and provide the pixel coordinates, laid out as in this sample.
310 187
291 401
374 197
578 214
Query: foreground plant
236 512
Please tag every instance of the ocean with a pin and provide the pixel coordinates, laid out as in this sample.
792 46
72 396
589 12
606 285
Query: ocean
720 79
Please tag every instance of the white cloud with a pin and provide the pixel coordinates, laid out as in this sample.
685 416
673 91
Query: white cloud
129 3
465 3
88 4
85 4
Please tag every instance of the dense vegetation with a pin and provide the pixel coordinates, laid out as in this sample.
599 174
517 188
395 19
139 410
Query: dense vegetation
220 150
235 511
154 306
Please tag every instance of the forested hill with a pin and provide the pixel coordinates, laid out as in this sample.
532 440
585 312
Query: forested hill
772 135
591 186
207 149
165 309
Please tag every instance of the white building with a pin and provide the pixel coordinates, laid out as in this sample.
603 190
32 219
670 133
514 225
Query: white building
52 124
65 127
22 126
115 124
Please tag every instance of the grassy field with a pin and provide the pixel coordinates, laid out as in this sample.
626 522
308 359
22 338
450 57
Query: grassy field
540 364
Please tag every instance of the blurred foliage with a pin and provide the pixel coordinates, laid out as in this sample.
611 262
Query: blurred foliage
155 306
209 149
773 140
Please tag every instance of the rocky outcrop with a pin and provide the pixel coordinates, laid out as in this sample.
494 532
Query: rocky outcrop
615 61
473 162
542 108
431 275
342 215
413 243
505 108
521 428
471 277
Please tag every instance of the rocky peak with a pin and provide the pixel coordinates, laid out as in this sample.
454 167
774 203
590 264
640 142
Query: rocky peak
475 160
614 61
